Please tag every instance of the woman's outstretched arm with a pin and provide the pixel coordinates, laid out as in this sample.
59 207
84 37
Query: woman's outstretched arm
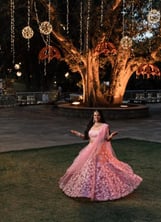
77 133
112 135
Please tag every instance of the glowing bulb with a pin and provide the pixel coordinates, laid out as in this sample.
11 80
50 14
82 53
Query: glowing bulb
19 73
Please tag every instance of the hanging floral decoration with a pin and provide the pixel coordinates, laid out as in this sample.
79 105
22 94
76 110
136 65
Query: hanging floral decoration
153 16
148 70
105 48
49 52
45 28
27 32
126 42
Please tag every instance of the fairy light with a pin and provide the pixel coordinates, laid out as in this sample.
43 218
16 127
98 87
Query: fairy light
87 27
67 17
38 21
123 18
49 13
150 5
132 16
132 25
102 8
27 32
149 26
126 41
46 27
12 13
48 37
28 22
81 26
45 72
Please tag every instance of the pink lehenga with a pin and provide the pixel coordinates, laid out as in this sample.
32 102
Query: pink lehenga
96 173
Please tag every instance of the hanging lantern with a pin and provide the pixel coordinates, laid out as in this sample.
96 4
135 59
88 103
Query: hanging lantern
45 28
49 52
105 48
148 70
27 32
153 16
126 42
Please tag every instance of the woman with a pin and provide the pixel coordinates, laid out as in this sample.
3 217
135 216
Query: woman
96 173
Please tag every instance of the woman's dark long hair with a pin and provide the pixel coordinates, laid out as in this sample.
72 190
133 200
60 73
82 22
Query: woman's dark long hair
91 122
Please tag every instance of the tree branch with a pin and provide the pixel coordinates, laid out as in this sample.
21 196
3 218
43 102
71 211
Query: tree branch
156 55
116 4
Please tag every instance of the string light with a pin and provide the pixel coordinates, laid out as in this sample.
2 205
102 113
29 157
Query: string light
102 8
67 17
87 27
12 12
45 72
27 32
126 41
123 18
81 26
46 27
132 16
38 21
48 37
132 25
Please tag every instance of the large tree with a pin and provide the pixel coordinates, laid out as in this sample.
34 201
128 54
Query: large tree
92 35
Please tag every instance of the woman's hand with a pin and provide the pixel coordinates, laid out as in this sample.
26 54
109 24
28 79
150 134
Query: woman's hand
112 135
77 133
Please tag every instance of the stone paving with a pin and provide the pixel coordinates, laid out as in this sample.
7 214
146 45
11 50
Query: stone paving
28 127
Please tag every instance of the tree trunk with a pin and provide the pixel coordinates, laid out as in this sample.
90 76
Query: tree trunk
91 83
120 76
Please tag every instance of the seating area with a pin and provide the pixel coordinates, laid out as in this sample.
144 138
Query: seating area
36 98
33 98
142 96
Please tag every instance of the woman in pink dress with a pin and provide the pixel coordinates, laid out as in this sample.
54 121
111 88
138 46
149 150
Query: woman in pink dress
96 173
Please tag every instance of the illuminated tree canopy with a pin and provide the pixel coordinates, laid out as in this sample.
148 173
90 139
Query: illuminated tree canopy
92 34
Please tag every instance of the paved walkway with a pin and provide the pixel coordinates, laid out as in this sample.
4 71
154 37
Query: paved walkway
41 126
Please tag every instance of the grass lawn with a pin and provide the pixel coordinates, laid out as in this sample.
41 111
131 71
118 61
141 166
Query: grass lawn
29 189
